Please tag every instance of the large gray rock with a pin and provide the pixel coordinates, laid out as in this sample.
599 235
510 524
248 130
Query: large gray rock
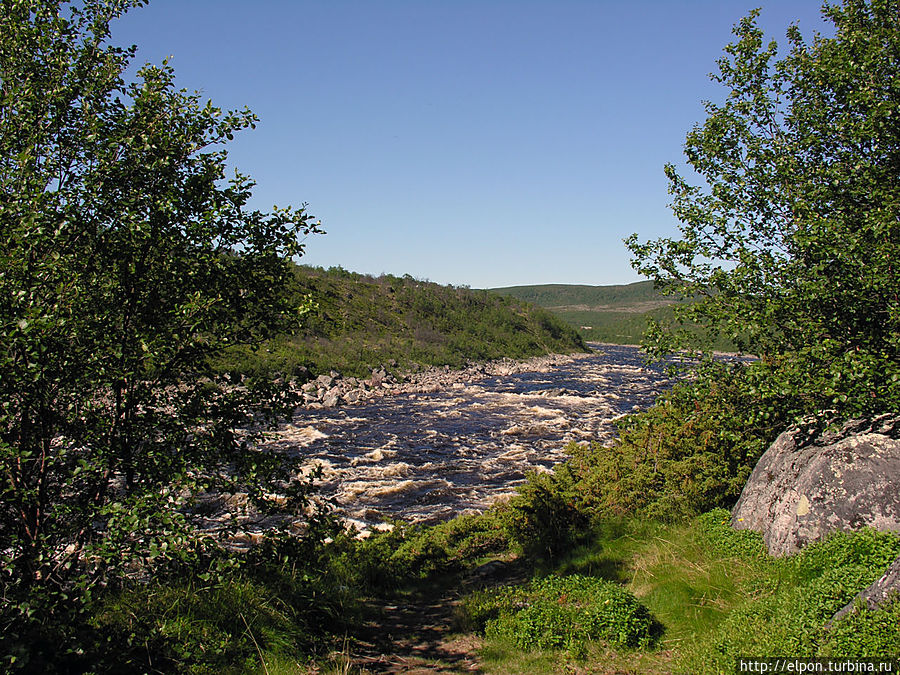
805 487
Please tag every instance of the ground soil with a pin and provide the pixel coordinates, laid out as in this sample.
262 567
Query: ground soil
418 632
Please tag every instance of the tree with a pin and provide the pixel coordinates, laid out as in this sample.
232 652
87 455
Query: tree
792 247
127 260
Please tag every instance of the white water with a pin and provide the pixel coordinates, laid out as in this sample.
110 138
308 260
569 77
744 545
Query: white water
428 457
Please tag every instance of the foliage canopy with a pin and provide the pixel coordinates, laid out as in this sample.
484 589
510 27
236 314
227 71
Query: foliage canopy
127 259
791 249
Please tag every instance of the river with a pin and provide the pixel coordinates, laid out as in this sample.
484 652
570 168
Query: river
428 456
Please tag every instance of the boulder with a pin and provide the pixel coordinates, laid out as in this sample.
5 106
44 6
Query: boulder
881 593
806 485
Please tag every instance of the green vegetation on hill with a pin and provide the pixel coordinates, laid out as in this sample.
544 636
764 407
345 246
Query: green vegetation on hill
617 297
616 314
360 322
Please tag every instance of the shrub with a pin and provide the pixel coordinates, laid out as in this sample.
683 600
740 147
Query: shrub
408 553
792 615
690 452
562 612
871 548
865 633
545 518
717 533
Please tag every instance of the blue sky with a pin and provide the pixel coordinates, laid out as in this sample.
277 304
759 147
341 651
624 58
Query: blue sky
470 142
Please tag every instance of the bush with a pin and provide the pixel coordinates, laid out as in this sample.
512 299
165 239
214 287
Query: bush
545 518
718 534
871 548
562 612
865 633
691 452
792 615
406 554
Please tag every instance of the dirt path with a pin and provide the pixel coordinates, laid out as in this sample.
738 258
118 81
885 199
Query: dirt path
415 636
417 633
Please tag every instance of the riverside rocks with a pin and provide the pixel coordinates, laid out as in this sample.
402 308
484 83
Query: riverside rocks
804 488
329 391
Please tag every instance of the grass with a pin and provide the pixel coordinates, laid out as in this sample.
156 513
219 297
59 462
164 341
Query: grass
610 314
671 569
717 596
637 596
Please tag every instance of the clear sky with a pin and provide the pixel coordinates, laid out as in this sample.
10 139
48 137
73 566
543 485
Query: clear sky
471 142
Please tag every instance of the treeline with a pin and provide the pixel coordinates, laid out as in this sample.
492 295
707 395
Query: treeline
359 321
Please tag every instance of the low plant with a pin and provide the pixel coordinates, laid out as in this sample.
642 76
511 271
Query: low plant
865 633
195 628
717 533
791 612
407 554
562 612
691 452
546 517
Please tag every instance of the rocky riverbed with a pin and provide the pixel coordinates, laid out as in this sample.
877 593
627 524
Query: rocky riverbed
445 442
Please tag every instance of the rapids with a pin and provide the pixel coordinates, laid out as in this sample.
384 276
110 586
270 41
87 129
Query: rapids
429 456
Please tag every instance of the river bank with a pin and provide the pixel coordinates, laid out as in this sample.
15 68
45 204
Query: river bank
328 391
441 443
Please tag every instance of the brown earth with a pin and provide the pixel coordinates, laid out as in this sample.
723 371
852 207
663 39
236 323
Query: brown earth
418 633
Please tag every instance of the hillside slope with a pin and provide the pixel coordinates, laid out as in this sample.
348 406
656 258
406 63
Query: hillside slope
362 322
616 314
567 295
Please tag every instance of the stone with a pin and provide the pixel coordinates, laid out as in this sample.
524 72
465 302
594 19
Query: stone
879 594
806 486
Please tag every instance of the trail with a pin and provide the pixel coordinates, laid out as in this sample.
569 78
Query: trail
417 632
416 635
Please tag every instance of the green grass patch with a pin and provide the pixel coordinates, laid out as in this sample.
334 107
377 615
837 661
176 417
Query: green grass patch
562 612
715 592
194 629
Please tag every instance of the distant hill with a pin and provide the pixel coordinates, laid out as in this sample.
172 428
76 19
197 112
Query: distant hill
562 295
362 322
616 314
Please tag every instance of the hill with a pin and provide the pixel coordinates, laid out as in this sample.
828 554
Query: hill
616 314
361 322
568 295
